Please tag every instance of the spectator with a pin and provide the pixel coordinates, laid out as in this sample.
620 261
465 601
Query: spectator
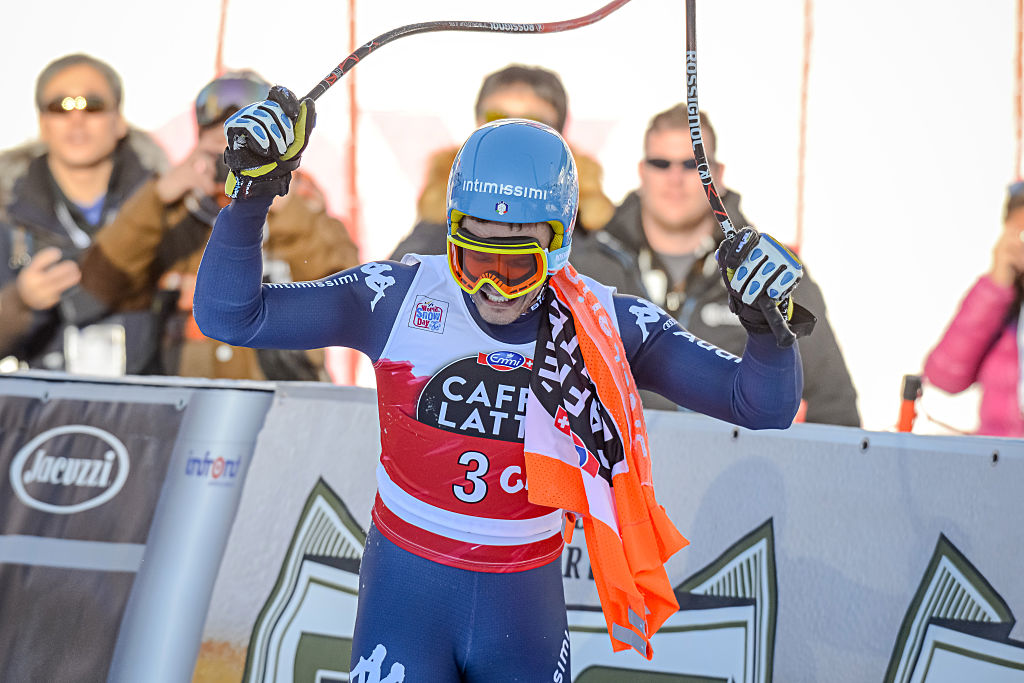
55 196
668 226
157 241
532 93
981 343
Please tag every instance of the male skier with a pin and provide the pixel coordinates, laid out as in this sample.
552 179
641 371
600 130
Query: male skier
507 391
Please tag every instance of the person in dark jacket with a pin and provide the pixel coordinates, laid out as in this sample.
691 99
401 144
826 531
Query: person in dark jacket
518 91
668 226
55 196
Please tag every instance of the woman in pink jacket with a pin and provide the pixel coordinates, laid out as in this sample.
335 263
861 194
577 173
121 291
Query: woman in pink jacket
982 342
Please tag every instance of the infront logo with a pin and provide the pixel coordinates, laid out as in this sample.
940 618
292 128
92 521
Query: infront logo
37 475
216 469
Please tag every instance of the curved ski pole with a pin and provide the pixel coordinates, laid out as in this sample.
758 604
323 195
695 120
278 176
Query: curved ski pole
480 26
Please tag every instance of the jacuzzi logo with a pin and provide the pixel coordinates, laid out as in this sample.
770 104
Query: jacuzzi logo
39 476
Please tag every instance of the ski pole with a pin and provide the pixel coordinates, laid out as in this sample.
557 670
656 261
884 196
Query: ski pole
783 335
480 26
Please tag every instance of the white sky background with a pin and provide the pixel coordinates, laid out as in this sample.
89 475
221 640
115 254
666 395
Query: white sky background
910 132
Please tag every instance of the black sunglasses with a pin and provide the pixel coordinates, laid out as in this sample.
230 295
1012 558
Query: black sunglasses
663 164
69 103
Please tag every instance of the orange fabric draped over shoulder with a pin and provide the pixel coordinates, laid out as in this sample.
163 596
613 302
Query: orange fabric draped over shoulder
628 534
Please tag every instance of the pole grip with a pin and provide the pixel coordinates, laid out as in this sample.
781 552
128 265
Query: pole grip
780 328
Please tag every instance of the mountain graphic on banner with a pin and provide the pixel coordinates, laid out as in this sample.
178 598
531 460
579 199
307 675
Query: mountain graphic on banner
319 576
956 628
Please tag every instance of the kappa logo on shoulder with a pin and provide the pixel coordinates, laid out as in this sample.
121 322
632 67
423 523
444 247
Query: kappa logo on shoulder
429 314
504 360
376 280
646 313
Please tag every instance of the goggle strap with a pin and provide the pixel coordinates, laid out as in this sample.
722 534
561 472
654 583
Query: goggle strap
465 239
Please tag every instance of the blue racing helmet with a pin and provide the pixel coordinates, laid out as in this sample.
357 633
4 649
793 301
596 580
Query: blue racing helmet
517 171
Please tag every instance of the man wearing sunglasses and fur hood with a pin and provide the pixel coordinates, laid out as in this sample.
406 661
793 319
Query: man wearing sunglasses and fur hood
497 365
56 195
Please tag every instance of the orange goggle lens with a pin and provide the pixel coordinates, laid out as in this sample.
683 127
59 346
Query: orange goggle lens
513 270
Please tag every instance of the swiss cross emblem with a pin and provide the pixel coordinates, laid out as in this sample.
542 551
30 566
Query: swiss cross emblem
587 462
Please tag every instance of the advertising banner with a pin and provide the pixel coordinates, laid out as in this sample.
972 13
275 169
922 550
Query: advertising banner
115 503
817 553
80 480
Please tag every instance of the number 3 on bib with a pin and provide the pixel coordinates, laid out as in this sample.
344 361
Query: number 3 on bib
475 487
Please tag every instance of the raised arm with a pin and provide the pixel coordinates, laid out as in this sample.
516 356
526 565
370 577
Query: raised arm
354 308
760 391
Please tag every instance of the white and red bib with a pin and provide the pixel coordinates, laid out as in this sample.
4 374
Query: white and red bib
451 483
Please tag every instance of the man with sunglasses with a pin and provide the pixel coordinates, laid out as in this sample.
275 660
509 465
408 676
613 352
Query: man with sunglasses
668 226
55 196
529 92
506 388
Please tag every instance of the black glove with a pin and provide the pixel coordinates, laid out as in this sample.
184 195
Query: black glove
756 266
265 142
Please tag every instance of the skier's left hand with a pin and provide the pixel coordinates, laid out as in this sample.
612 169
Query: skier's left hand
756 266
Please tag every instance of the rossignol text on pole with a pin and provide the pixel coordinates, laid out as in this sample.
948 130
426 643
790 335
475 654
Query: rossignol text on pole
783 335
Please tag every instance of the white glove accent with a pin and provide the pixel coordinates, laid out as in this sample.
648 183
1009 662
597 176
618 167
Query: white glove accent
769 267
263 123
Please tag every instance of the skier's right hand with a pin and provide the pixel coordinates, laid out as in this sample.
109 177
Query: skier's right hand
265 143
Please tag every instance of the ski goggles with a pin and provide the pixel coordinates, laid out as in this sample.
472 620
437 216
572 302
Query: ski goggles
512 265
222 97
